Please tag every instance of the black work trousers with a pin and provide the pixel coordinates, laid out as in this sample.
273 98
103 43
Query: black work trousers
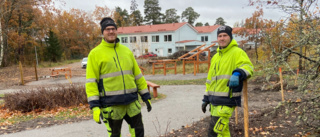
134 122
213 122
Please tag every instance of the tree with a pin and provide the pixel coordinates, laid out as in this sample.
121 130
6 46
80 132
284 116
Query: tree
207 24
199 24
136 18
171 16
101 12
152 12
298 38
293 40
220 21
16 19
190 15
252 28
25 24
121 17
134 6
53 50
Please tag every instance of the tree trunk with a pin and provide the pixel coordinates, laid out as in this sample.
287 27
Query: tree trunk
300 33
255 46
1 44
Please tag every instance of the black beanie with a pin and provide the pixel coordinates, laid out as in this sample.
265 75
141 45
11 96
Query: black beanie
225 29
105 22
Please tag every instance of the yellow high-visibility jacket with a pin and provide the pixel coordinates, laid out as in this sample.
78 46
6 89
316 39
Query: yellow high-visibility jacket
113 76
223 64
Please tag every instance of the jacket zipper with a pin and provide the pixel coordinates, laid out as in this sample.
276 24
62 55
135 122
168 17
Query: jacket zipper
124 85
115 62
215 70
215 73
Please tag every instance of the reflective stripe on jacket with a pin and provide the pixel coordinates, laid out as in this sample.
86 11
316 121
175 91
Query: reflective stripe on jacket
223 64
113 76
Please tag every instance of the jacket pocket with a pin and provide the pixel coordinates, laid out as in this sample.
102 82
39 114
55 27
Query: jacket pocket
138 104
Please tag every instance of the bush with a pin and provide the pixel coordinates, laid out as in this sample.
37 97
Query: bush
45 98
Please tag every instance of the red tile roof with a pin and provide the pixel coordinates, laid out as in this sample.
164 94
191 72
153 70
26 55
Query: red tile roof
150 28
206 29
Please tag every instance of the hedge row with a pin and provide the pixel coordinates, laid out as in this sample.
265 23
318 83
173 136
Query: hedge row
45 98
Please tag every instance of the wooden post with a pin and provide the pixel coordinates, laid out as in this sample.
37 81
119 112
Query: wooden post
194 67
183 67
70 72
21 73
198 59
155 92
236 115
35 69
281 82
175 67
68 78
164 68
245 108
152 68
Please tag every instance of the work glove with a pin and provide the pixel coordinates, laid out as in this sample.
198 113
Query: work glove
234 80
204 106
148 103
96 114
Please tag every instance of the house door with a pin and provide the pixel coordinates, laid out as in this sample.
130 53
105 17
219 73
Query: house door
161 52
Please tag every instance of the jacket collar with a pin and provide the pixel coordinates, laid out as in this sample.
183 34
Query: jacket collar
110 45
233 43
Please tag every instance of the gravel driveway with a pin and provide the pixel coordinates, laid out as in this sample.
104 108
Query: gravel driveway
182 106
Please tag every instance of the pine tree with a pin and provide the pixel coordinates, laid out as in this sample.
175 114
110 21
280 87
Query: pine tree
53 49
152 12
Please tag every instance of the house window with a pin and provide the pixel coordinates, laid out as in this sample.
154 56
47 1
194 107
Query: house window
155 38
204 38
124 39
144 38
169 50
167 38
133 39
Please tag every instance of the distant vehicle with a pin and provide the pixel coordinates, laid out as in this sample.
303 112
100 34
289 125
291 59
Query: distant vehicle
149 54
84 62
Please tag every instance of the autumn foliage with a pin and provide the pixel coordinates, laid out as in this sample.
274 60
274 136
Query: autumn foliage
25 25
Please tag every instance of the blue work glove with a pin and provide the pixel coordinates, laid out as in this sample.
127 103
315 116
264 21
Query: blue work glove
148 103
234 80
204 106
96 114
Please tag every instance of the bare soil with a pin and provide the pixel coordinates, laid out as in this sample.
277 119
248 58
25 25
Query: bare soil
267 118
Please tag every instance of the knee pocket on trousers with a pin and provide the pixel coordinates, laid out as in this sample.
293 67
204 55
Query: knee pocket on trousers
221 125
107 113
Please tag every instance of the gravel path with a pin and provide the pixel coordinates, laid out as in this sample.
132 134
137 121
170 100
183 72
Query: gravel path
182 106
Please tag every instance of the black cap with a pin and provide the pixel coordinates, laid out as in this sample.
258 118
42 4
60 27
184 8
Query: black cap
105 22
225 29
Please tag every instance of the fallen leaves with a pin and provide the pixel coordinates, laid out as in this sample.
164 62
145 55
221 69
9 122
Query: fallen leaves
11 117
298 100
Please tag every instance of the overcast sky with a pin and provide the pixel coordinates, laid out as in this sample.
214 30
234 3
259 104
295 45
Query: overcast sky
230 10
